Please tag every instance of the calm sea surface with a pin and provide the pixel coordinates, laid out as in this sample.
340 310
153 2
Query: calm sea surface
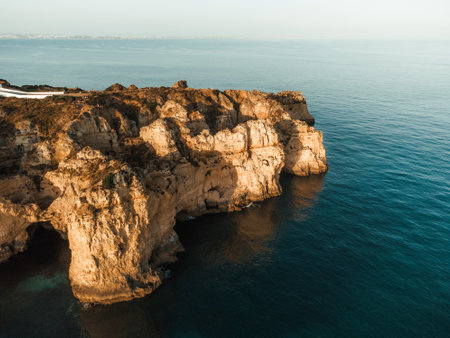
362 251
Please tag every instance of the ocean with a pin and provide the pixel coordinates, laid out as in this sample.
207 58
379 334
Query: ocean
361 251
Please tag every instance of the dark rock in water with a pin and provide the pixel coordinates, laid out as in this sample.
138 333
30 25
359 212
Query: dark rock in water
164 272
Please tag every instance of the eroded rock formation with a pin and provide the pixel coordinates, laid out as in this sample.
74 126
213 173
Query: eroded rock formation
112 171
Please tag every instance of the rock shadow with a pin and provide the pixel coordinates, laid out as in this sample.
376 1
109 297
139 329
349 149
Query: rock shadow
239 237
10 154
48 254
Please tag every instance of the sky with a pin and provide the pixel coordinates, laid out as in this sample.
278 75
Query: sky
258 19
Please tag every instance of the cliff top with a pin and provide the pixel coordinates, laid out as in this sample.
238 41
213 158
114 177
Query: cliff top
49 115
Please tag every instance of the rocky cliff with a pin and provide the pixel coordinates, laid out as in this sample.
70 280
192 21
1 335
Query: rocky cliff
113 170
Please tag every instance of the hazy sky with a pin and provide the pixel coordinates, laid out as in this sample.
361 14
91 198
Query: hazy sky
287 19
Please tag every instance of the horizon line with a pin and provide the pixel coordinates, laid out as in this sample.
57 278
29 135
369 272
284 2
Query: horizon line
144 37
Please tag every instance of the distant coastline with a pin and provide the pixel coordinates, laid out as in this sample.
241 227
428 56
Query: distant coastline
219 38
99 37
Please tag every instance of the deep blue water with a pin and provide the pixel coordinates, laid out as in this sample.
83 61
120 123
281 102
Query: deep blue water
363 250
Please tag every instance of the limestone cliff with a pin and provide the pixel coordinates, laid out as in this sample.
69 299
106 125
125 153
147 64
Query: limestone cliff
113 170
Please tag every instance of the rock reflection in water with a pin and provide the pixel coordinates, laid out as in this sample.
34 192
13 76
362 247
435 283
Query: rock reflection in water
129 319
253 229
239 237
304 191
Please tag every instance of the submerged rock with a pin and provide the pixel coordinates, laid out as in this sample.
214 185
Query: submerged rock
112 171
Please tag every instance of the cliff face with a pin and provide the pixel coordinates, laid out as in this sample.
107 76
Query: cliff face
112 171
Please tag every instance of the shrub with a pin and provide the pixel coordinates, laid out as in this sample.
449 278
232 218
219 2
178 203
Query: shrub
108 181
63 98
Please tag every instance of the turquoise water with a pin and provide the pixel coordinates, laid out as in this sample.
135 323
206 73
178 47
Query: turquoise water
363 250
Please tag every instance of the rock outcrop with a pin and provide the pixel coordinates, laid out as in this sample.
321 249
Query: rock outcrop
112 171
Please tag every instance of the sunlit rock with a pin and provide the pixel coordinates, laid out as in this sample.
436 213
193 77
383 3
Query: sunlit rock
111 171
